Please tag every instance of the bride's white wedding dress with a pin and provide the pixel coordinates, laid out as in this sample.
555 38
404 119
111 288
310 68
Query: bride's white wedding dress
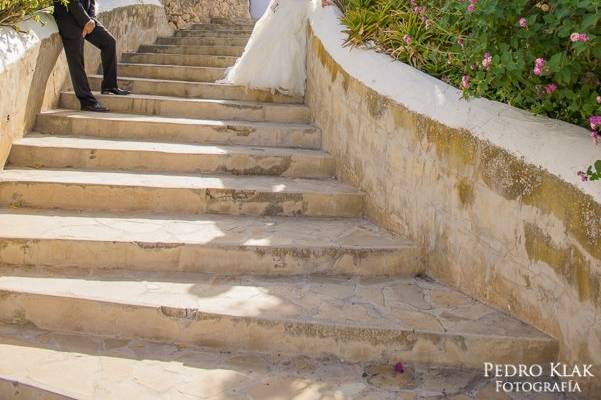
275 55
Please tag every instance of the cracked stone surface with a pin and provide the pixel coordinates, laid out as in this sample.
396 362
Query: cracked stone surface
325 300
87 367
203 229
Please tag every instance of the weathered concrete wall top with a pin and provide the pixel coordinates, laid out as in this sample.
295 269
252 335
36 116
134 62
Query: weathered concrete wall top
183 13
33 68
489 192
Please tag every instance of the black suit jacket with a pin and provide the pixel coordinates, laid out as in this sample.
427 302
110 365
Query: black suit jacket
72 18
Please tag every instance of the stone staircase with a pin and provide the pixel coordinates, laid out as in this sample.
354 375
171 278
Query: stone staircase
193 244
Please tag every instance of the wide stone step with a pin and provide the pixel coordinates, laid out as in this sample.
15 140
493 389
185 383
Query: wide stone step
204 243
45 151
224 26
84 190
202 41
233 21
412 320
181 130
212 34
130 369
201 90
172 72
170 106
194 60
233 51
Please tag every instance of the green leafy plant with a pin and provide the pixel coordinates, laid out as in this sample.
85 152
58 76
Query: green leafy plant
542 56
14 11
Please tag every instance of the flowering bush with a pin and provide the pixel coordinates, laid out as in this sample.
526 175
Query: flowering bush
542 56
14 11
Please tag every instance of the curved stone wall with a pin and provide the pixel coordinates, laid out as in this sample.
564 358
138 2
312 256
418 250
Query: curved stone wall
33 68
183 13
489 192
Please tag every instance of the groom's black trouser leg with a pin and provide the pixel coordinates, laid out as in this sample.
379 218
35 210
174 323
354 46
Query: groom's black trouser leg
102 39
107 44
74 53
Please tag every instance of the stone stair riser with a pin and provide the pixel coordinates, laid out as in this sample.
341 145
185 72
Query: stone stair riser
113 198
173 107
230 51
214 133
197 90
298 166
179 59
190 326
202 41
178 73
213 34
82 255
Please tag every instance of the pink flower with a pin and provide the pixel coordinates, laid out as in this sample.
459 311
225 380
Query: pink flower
539 63
550 88
595 137
487 60
579 37
398 368
582 176
419 9
523 23
598 99
470 8
407 39
595 121
465 82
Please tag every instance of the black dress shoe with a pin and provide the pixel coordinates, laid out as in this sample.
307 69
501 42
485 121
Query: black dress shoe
95 108
116 92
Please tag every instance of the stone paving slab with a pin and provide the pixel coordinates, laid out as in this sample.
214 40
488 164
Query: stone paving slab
96 368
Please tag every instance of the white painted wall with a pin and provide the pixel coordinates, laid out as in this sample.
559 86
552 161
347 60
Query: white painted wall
258 7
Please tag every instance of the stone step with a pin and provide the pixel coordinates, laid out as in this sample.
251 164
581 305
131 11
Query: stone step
202 41
194 60
171 72
357 320
212 34
169 106
133 369
233 21
201 90
224 26
232 51
180 130
84 190
204 243
45 151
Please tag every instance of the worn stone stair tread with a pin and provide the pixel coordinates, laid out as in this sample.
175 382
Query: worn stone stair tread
175 72
232 51
177 129
115 116
207 229
268 184
39 140
179 59
78 367
192 107
407 304
201 89
203 41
